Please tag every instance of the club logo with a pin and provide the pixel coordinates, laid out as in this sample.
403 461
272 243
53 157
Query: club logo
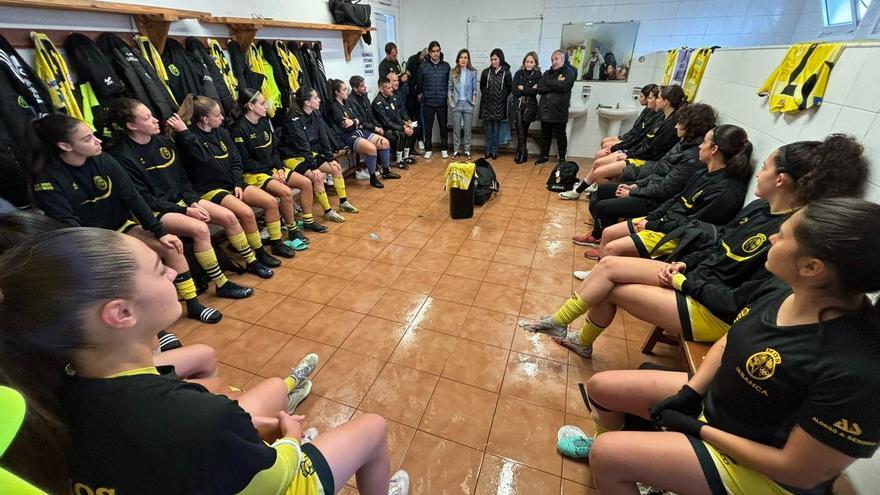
173 69
762 365
165 152
753 243
100 182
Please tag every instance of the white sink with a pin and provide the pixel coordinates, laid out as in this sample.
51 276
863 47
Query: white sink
575 112
615 116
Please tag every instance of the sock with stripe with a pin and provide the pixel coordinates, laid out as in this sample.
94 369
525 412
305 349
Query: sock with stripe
573 307
323 200
589 332
254 240
274 229
208 261
308 218
339 185
186 291
240 244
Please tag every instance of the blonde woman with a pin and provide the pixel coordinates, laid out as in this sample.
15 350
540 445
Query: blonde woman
462 95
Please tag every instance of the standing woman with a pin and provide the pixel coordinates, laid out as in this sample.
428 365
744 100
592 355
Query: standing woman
462 94
255 139
555 90
80 186
525 102
305 148
495 85
348 124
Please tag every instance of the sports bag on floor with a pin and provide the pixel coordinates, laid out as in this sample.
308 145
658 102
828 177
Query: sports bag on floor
562 177
487 182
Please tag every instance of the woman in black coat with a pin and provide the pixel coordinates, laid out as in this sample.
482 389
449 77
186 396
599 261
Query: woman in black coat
495 85
524 104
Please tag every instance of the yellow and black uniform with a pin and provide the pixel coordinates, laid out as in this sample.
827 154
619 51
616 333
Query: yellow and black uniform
800 80
304 146
145 431
644 123
259 158
659 139
820 377
12 414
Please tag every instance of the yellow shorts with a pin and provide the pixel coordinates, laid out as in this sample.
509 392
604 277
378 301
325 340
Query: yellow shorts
216 195
726 477
646 241
635 162
314 476
698 324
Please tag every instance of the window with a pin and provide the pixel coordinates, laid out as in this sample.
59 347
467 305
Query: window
843 12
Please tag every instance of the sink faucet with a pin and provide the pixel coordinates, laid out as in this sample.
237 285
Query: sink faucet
603 106
618 105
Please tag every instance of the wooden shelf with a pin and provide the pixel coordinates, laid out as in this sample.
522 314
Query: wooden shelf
151 21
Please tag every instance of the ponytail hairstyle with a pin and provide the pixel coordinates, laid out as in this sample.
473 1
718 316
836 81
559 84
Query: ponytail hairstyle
697 120
202 106
335 86
120 111
736 149
648 89
534 57
246 96
44 134
655 91
17 226
831 168
47 285
298 98
674 94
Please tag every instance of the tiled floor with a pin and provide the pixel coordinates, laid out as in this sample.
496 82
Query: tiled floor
419 325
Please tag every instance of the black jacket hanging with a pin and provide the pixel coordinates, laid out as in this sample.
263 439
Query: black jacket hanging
200 52
92 65
186 73
140 78
304 78
240 68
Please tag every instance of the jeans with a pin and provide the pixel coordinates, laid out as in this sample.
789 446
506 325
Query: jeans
441 113
548 131
607 209
462 114
492 128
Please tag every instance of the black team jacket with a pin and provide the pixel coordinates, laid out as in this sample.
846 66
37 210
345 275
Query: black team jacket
212 160
257 147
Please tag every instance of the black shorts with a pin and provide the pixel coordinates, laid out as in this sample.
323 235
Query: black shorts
322 469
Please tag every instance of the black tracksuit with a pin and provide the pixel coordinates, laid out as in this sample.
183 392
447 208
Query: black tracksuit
524 104
390 117
640 127
361 103
555 90
304 135
256 146
659 139
212 160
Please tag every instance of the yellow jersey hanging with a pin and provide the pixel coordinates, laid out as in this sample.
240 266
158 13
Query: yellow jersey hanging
801 79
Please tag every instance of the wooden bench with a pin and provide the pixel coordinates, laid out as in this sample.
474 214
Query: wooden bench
694 352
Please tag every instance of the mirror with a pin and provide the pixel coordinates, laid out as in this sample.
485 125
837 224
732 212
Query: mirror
600 51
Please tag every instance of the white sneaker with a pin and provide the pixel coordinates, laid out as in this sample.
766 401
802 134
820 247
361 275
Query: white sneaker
348 207
399 484
581 274
312 433
592 188
362 174
334 217
421 145
444 154
573 194
298 395
428 155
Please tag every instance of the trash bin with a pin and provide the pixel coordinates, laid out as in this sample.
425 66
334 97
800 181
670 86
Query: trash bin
461 184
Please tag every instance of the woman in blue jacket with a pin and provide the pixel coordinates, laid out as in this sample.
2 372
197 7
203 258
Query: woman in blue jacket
462 94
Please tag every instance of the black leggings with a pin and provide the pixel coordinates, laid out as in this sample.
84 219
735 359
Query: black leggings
441 113
522 134
607 209
548 131
399 140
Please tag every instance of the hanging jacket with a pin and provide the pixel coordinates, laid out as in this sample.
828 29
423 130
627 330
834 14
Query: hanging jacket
305 136
97 194
555 90
157 173
646 119
432 82
240 68
152 57
23 97
186 73
658 140
292 68
524 104
212 160
669 174
412 67
713 197
279 72
495 87
256 146
142 82
315 67
224 67
92 65
303 77
269 88
52 69
361 103
387 113
198 51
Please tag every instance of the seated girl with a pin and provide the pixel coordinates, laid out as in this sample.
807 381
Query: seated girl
640 126
784 402
81 306
79 186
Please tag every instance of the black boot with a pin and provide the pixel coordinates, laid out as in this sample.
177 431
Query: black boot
266 258
542 159
518 157
375 182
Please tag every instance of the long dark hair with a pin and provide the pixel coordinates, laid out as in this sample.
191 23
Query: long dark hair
44 134
498 52
335 85
736 149
646 89
697 120
246 96
46 283
298 98
674 94
120 111
834 167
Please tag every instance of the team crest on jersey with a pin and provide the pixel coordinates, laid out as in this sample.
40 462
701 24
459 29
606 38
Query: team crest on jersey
173 69
762 365
223 146
753 243
699 193
742 314
744 221
100 182
165 152
560 77
21 102
266 136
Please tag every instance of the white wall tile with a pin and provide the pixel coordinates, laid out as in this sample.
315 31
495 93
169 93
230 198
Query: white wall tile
819 121
865 92
841 81
854 122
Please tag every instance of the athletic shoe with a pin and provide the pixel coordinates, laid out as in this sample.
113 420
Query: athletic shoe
456 155
399 484
403 165
409 160
573 194
572 342
467 155
333 216
575 443
544 324
592 254
298 395
592 188
586 240
428 155
168 341
280 249
444 154
569 431
232 290
362 174
266 258
304 369
581 274
388 174
259 269
348 207
375 182
309 435
315 227
421 145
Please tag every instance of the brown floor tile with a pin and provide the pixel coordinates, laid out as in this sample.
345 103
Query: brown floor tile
509 275
519 239
664 355
375 337
397 220
486 234
290 355
493 222
321 289
636 329
499 475
312 261
365 249
536 305
346 377
400 394
351 229
478 249
441 316
424 350
425 225
290 315
444 243
574 401
285 281
331 243
398 306
552 261
416 281
540 345
577 469
347 490
184 326
477 364
412 239
376 273
441 467
431 262
547 282
252 308
457 227
397 255
460 413
386 234
489 327
358 296
526 433
572 488
219 335
609 353
536 380
330 326
231 376
471 268
364 217
499 298
323 414
253 348
513 256
346 267
456 289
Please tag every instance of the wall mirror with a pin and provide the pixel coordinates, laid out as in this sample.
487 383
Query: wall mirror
600 51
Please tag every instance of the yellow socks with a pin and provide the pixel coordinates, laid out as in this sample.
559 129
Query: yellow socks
291 383
274 229
254 240
323 200
308 218
600 428
589 332
240 244
208 261
574 307
339 185
186 288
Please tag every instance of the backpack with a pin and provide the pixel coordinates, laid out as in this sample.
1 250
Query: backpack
563 177
351 12
486 182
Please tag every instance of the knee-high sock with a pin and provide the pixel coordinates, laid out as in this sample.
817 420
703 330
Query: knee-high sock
274 229
186 288
589 332
254 240
323 200
308 218
385 159
208 261
370 160
240 244
339 185
573 307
